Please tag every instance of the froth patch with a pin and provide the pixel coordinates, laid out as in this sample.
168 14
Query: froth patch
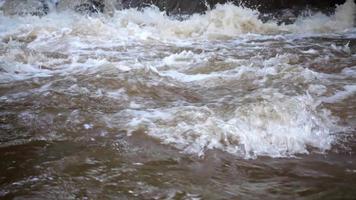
280 127
223 22
342 19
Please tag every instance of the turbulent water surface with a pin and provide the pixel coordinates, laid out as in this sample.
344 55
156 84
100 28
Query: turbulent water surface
140 105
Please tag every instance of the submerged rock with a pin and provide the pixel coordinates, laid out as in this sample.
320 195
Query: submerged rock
199 6
42 7
82 6
278 8
25 7
284 11
170 6
89 6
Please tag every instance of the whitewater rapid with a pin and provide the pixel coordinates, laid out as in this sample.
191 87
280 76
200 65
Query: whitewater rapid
221 80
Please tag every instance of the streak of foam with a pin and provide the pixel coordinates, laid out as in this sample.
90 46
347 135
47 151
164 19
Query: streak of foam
349 91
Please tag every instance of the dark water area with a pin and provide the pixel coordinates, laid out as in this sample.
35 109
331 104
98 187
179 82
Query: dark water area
72 170
139 105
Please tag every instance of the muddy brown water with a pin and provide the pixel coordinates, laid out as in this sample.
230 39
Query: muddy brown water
158 115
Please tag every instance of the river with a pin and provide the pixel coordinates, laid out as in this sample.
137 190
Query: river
140 105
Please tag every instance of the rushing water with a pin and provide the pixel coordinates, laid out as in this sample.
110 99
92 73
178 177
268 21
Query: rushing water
140 105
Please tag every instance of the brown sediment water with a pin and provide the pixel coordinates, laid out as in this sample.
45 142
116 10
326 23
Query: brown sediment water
142 106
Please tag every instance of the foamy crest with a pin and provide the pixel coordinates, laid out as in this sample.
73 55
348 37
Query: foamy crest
320 23
228 20
223 21
279 127
182 58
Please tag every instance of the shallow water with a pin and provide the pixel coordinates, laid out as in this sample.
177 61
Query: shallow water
139 105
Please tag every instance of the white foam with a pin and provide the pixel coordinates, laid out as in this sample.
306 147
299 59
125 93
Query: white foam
88 126
229 20
70 33
349 90
320 23
223 21
277 128
344 49
317 89
182 58
349 72
258 69
310 51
